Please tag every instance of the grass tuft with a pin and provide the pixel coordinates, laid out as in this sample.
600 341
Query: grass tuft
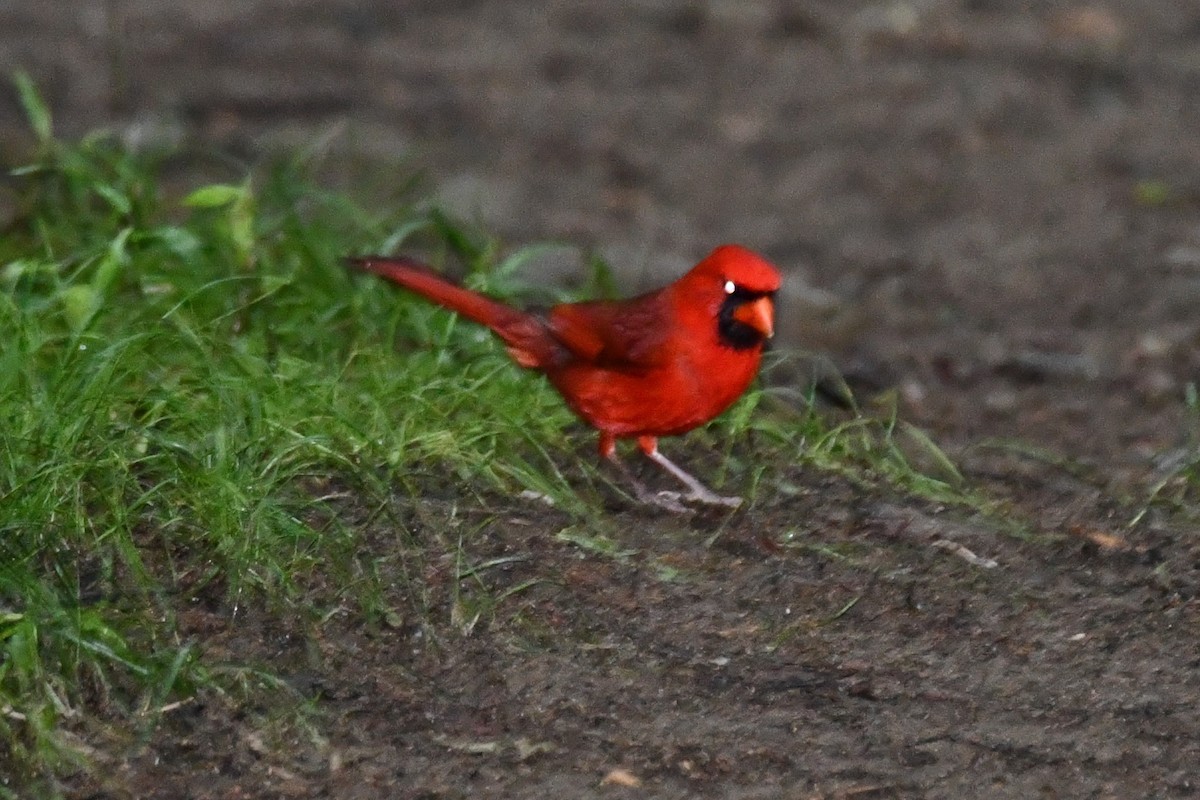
188 386
1176 487
201 407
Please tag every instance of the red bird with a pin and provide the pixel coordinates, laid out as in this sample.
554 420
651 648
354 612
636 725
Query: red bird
654 365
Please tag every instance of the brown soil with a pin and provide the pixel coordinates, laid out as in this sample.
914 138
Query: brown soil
990 205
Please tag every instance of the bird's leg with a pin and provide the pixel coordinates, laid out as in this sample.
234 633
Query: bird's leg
666 500
698 491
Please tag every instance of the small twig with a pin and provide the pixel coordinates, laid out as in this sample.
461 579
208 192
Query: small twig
965 554
178 704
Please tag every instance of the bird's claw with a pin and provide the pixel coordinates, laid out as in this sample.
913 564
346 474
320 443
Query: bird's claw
675 501
712 499
669 501
729 501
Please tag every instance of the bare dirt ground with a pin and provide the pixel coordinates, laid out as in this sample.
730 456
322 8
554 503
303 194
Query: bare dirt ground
989 205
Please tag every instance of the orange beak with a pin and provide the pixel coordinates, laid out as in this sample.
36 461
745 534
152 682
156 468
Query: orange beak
759 315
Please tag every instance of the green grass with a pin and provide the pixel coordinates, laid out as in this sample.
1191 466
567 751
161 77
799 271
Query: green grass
1176 487
192 385
181 381
868 450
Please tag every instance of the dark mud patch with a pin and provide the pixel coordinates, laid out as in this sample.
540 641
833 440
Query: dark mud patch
990 207
836 644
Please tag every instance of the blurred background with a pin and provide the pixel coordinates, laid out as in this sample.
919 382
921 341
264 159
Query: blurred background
988 206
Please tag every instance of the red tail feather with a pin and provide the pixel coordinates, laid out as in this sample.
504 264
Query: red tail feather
525 334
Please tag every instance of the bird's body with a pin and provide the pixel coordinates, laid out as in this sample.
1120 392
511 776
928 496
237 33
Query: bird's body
659 364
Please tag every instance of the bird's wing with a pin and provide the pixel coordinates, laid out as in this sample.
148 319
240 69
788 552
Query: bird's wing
628 334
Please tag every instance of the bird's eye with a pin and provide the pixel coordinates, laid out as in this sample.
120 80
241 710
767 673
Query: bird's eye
730 288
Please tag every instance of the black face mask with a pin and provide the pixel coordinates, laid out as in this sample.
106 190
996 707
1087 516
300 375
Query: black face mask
733 333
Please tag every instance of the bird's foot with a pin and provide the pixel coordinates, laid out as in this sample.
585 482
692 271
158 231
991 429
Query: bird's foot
697 491
707 498
675 501
668 501
713 499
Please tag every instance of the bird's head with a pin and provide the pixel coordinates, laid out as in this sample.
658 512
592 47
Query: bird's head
737 286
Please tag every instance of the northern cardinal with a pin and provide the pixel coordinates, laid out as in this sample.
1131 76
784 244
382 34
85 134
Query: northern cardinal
654 365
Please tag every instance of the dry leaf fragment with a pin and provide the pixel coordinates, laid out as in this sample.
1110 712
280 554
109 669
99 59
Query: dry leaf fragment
621 777
1105 541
